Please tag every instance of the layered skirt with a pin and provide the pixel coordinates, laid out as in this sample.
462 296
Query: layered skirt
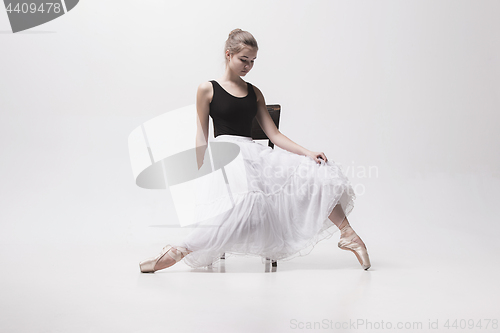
279 205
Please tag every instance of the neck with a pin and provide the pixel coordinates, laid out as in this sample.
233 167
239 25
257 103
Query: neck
230 76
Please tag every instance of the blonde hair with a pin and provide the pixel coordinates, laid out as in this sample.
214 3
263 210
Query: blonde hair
237 40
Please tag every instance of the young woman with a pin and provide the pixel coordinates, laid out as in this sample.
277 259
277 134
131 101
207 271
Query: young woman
294 198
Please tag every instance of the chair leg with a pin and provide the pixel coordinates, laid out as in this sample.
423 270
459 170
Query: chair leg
274 263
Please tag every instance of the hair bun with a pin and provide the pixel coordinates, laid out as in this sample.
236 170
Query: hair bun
234 31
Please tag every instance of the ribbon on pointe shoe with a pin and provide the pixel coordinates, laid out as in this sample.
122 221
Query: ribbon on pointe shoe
181 252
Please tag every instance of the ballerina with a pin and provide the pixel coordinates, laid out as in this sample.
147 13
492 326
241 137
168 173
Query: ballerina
275 218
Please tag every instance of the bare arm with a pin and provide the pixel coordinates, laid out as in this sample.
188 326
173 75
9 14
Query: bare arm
276 137
203 96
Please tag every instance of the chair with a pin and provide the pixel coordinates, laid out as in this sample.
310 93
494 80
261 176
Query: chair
150 157
258 134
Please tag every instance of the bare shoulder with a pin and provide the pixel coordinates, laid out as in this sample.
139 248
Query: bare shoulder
205 88
205 91
258 93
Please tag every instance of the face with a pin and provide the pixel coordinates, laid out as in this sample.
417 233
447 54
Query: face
242 62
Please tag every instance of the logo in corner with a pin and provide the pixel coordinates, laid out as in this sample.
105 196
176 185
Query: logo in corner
24 15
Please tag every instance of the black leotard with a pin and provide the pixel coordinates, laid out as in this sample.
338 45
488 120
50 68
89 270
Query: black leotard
232 115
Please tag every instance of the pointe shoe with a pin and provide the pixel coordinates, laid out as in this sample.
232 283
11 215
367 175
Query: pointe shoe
175 254
347 243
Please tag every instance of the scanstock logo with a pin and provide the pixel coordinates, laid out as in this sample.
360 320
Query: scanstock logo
25 15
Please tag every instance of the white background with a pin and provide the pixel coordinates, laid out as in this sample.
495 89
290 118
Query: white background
410 89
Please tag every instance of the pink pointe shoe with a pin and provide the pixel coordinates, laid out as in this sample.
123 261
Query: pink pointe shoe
347 242
174 255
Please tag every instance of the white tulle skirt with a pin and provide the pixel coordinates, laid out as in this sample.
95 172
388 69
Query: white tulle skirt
282 213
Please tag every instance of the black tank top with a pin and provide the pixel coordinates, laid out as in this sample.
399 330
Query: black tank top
232 115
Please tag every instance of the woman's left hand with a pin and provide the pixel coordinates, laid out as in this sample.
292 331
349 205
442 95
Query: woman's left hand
317 156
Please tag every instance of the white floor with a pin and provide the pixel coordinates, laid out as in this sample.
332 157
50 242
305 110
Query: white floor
74 231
